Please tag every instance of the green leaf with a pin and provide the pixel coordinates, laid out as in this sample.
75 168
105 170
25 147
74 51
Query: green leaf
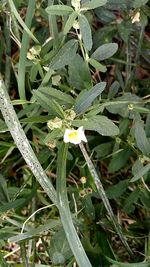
131 200
98 66
60 250
85 31
119 160
124 29
113 90
105 51
59 10
100 124
85 99
88 207
65 55
3 261
52 136
57 94
139 3
12 205
147 126
51 105
33 72
141 173
105 16
117 190
4 197
3 127
77 78
20 102
70 21
93 4
103 150
120 105
36 119
141 140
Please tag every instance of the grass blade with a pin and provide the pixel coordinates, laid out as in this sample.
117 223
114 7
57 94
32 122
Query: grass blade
24 49
52 22
14 10
71 234
104 198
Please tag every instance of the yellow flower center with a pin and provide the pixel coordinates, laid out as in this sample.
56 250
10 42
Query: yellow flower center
73 136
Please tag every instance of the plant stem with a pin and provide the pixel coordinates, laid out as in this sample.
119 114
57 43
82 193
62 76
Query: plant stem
24 255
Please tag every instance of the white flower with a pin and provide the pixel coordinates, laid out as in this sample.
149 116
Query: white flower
136 17
74 136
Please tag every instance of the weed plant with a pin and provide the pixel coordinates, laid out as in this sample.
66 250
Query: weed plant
74 133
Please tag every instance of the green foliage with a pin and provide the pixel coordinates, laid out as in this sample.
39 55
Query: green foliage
105 51
69 65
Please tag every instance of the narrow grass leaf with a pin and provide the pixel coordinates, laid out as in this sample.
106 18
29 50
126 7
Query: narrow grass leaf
20 102
121 264
24 49
50 224
104 198
105 51
12 205
24 26
85 98
59 10
141 173
53 22
65 214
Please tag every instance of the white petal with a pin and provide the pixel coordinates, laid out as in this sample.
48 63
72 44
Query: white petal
82 134
66 139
